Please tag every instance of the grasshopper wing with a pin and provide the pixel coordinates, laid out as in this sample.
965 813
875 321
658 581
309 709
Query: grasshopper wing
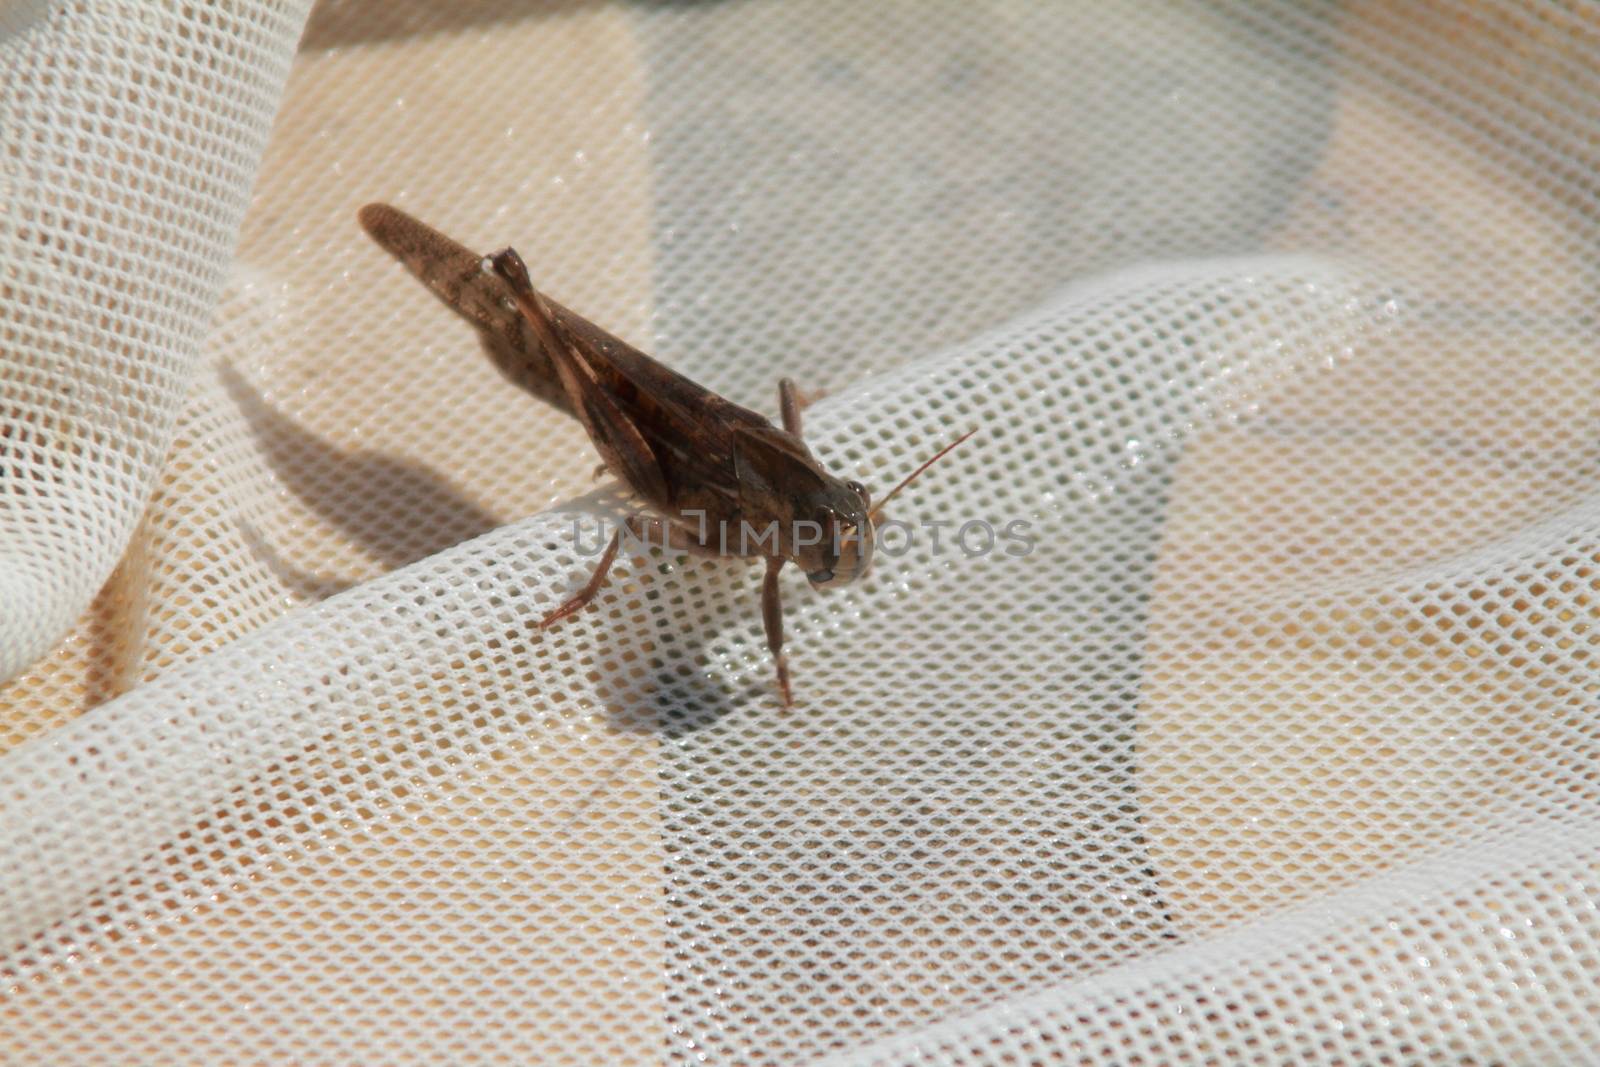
454 273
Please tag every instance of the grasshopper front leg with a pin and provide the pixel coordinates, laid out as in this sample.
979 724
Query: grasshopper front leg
657 531
791 402
771 599
772 618
789 405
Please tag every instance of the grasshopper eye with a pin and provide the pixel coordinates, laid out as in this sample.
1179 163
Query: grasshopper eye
859 490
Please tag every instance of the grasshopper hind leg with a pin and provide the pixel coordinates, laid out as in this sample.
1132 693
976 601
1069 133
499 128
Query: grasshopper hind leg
591 589
647 530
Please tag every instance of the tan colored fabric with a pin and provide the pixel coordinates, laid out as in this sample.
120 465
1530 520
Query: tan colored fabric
1276 323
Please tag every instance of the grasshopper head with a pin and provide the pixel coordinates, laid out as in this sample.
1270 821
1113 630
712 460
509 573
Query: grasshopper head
822 524
818 522
849 514
844 550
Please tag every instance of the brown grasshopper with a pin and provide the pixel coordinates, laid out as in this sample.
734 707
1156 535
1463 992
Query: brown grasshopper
703 464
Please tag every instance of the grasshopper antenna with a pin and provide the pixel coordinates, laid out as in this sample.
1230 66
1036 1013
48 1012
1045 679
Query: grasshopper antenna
872 516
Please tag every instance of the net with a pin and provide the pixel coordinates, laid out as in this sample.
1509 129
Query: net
1271 740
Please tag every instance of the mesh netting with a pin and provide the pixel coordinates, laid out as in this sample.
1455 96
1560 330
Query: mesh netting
1276 323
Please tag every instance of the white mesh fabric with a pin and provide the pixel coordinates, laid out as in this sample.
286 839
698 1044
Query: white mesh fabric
1277 324
129 136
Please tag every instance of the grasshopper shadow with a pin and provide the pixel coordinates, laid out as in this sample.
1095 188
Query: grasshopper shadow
662 676
399 512
341 23
396 511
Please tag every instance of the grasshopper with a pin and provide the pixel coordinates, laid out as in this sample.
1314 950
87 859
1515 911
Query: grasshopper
700 463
